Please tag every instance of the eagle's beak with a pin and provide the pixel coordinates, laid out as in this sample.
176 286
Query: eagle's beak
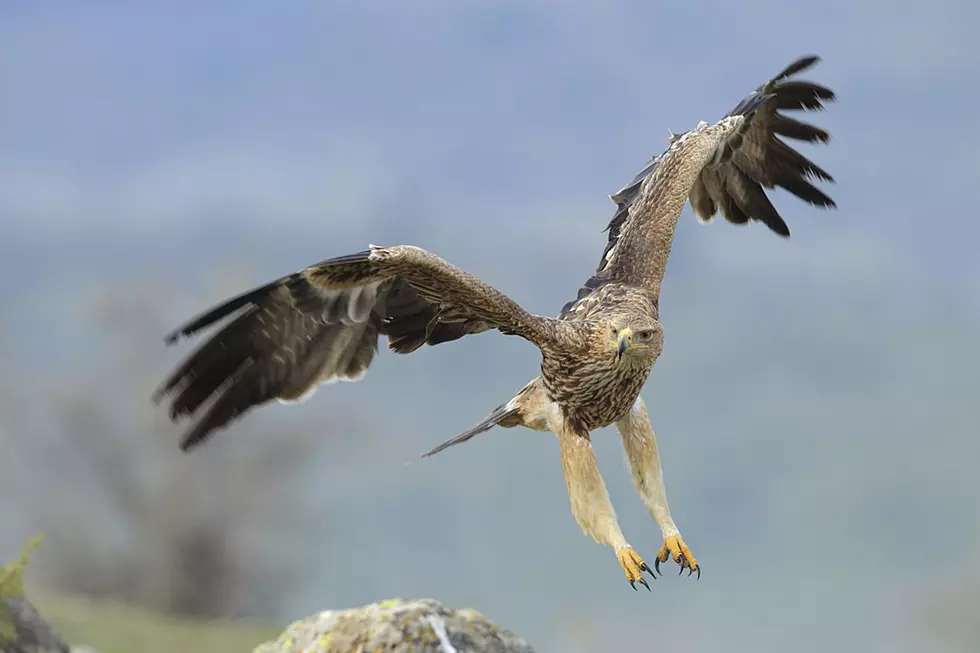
625 342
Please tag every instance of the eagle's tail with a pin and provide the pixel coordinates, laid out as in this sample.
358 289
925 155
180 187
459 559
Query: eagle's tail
504 415
531 407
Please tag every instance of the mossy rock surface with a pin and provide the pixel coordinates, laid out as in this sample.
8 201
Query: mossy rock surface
22 628
12 588
397 626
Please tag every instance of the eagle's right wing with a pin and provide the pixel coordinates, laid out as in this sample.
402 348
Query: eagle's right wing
322 324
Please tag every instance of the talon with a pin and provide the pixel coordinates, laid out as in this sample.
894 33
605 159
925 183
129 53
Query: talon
675 547
633 566
656 565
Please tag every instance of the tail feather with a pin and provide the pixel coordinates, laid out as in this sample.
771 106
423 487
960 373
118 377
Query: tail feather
499 415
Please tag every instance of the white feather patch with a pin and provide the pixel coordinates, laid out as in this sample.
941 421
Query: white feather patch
362 303
612 251
300 399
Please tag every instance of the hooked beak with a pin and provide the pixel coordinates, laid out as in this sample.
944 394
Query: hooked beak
625 342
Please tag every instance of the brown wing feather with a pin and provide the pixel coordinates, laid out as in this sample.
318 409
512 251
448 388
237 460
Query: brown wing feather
322 324
284 341
460 297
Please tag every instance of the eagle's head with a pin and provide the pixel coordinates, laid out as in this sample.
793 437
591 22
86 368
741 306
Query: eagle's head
636 340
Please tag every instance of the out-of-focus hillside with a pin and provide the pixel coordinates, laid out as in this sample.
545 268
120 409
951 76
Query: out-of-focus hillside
815 404
112 627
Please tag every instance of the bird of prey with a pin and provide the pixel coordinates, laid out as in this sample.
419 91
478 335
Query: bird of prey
322 323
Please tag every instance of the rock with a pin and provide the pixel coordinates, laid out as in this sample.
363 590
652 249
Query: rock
397 626
22 629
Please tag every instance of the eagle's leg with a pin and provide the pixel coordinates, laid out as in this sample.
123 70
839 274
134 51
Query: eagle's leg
590 503
640 444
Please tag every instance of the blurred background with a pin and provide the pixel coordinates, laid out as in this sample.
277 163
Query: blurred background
816 405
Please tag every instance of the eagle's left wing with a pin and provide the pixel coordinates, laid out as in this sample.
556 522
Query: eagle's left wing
735 187
758 160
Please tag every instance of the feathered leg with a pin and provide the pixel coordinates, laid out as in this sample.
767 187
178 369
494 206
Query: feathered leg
640 443
590 502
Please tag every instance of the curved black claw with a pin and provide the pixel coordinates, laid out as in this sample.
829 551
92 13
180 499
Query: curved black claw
645 567
641 580
683 564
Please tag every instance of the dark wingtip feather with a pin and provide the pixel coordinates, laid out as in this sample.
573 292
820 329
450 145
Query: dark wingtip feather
194 437
802 95
799 65
219 312
234 305
799 130
780 228
233 397
806 191
197 435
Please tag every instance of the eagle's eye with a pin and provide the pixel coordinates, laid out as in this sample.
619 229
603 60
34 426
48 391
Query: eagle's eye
615 332
646 334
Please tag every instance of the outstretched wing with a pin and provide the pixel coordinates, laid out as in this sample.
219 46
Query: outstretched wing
734 185
322 324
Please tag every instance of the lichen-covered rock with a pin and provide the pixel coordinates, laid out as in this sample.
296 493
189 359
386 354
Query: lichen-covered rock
397 626
22 629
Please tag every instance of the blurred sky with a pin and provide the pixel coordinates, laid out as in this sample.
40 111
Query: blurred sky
816 404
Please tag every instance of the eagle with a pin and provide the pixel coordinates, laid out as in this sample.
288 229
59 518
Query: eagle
323 323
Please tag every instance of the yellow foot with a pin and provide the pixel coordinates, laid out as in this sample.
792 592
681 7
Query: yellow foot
633 565
674 547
